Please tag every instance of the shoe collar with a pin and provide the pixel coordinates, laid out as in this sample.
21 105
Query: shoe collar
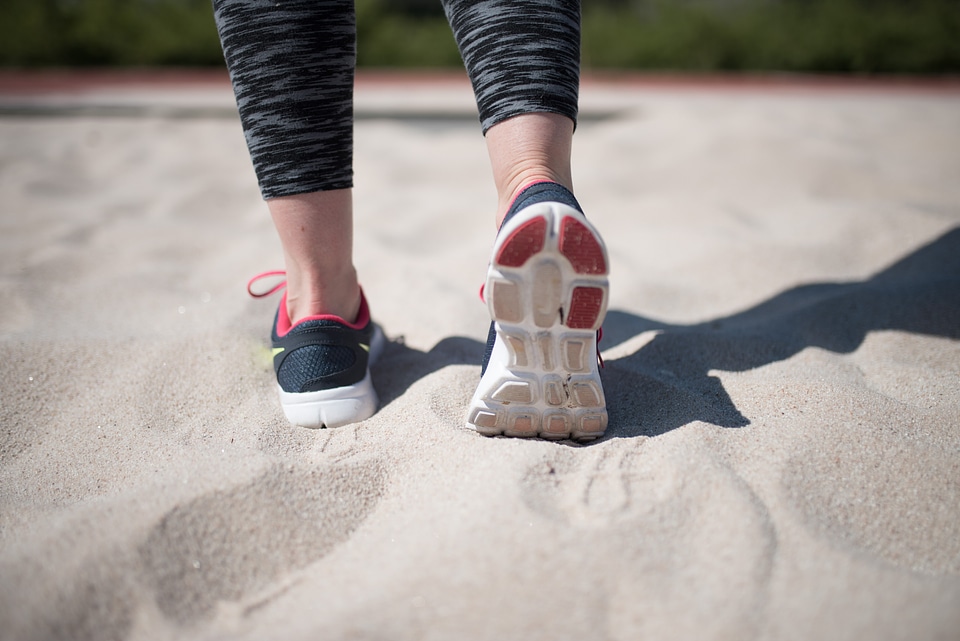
284 325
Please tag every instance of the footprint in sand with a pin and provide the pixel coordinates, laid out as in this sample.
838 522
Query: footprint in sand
589 487
663 508
225 545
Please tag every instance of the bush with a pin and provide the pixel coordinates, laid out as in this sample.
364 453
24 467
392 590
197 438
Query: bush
884 36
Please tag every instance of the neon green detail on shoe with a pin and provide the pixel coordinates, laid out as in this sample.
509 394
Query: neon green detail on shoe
276 350
366 348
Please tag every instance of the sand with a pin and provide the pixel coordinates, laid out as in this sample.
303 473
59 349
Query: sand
782 373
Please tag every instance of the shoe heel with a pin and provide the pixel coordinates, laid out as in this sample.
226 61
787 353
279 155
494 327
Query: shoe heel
331 408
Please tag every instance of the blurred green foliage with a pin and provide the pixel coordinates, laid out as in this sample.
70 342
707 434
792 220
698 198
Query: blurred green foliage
108 32
860 36
390 34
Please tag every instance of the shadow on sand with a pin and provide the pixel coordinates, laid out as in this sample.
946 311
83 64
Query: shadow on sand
666 383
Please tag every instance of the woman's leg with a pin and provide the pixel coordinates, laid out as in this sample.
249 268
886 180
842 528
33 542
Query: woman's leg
523 59
292 68
316 232
546 286
529 148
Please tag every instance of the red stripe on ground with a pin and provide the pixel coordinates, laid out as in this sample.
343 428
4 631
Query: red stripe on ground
80 80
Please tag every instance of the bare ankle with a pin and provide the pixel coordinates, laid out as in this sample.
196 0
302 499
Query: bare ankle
327 296
529 148
316 231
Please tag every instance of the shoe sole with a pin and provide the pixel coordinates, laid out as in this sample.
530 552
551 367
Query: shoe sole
547 293
338 406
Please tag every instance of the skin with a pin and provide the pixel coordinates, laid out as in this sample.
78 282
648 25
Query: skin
316 229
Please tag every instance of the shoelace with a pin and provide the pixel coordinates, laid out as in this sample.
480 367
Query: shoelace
268 274
599 330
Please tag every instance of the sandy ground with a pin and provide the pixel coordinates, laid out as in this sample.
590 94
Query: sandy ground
782 372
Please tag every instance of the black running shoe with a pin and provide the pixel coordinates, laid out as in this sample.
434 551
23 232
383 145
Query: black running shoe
322 365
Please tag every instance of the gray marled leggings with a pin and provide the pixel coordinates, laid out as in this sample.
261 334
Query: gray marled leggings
292 65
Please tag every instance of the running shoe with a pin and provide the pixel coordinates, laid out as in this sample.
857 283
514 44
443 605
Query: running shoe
323 363
547 291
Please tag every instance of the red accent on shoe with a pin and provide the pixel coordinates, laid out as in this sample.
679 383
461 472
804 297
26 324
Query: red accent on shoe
585 304
283 318
581 248
524 242
284 325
